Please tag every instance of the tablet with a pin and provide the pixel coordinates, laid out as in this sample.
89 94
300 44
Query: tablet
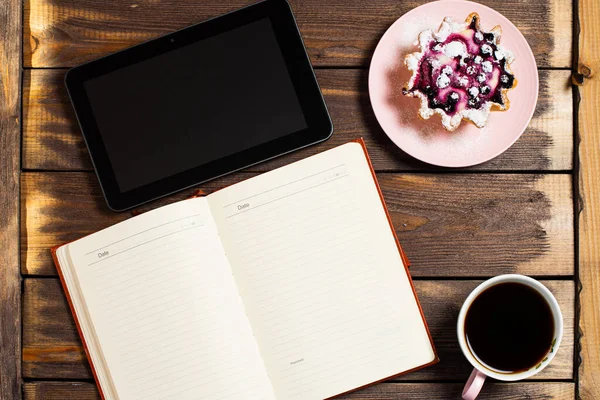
198 103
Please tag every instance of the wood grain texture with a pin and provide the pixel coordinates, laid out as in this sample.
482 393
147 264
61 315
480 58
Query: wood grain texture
382 391
483 225
60 391
52 349
10 165
449 225
589 191
336 32
562 33
52 139
51 345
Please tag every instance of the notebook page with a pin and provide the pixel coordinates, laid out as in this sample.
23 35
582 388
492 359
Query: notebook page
165 308
321 276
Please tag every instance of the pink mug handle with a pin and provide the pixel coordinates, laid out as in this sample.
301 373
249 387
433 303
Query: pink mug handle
473 385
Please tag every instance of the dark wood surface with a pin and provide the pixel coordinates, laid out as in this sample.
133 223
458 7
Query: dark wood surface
10 166
52 140
496 223
512 214
52 349
384 391
336 32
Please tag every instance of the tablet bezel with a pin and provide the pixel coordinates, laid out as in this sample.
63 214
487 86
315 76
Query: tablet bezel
301 73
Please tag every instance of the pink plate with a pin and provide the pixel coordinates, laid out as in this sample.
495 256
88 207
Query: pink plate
427 140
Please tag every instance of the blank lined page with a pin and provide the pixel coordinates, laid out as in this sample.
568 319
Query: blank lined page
165 308
320 274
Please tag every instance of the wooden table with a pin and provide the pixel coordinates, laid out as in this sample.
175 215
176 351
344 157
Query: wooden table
517 213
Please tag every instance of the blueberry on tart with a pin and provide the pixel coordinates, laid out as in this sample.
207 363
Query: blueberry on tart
461 72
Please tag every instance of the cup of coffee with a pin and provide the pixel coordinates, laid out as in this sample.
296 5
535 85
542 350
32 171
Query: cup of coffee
509 328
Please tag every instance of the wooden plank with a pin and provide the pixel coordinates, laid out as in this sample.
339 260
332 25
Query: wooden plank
51 206
60 391
51 136
449 225
336 32
382 391
464 225
51 345
52 139
10 167
589 188
52 350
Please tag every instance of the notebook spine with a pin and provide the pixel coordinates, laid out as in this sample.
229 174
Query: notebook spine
77 324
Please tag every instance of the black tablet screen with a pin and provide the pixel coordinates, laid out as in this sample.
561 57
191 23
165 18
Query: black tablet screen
196 104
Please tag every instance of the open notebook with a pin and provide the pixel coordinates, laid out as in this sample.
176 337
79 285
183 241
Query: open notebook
289 285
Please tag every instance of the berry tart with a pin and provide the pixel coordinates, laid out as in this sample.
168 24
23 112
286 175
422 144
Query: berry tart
460 72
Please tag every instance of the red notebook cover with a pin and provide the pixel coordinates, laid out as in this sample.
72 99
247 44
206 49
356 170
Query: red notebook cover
199 194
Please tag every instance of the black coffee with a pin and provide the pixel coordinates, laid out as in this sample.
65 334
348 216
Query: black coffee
509 327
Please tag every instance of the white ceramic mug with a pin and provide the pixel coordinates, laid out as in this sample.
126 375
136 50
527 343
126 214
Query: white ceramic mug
480 371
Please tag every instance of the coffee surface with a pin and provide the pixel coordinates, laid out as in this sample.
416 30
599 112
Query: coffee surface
509 327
